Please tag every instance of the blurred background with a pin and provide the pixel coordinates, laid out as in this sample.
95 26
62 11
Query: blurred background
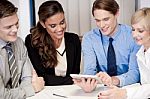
77 12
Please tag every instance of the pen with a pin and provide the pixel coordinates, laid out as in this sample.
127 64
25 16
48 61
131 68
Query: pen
60 95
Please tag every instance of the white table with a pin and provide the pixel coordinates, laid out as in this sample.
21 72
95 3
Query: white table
70 91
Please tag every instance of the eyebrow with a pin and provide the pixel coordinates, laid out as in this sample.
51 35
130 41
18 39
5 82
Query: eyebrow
13 24
102 19
59 22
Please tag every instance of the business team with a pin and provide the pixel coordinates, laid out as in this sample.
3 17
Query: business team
109 51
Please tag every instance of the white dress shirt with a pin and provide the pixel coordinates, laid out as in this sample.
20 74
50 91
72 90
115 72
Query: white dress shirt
142 91
61 68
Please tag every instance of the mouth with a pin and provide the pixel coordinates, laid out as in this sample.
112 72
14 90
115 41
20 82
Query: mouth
138 39
13 34
104 29
60 32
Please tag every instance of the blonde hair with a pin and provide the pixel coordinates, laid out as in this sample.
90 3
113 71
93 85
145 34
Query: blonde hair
142 15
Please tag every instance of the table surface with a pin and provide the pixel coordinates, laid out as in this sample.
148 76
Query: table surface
70 92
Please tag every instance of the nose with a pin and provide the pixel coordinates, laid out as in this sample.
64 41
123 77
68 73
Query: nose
14 28
134 34
102 24
59 28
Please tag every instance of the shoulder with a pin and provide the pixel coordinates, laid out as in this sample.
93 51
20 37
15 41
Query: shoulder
19 41
94 31
92 35
68 34
125 32
28 37
19 45
125 28
71 36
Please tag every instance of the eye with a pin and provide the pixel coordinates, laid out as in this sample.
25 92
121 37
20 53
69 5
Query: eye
133 29
52 25
97 20
106 19
141 31
8 27
62 22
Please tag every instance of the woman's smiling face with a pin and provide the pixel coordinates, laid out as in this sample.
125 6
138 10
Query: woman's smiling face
55 26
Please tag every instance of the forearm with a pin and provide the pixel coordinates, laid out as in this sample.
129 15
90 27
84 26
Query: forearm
131 77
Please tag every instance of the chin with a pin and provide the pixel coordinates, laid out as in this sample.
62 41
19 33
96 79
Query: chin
60 36
139 43
13 39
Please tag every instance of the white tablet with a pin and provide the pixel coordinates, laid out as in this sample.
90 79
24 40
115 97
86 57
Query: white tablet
79 76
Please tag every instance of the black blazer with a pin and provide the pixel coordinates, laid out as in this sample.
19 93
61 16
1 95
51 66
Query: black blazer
73 54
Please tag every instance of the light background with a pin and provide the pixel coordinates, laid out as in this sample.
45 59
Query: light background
77 12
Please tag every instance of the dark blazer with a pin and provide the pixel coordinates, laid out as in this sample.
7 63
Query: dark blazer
73 54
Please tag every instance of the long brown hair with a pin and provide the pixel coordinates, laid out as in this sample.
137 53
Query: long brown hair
41 39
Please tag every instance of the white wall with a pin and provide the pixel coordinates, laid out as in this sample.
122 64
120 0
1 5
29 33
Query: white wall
77 12
143 3
24 17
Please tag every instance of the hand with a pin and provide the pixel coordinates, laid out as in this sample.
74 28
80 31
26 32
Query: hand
88 85
105 78
113 93
37 82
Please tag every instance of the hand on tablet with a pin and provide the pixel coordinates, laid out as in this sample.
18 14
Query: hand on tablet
105 78
87 84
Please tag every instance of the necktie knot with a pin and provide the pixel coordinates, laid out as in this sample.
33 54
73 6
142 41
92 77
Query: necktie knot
110 40
8 48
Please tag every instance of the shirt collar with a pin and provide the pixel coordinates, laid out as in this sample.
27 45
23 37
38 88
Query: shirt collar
2 43
62 47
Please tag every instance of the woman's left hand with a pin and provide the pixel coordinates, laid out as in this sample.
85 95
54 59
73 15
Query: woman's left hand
113 92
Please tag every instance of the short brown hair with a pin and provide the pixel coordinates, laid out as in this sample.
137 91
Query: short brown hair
108 5
7 8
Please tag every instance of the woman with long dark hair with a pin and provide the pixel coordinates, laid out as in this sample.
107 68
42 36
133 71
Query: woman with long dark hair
54 53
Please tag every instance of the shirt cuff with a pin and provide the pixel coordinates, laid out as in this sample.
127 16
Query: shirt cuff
122 80
29 91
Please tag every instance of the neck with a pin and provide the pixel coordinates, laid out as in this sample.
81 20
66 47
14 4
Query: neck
57 43
146 47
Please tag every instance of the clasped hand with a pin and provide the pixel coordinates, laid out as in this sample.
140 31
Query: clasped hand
37 82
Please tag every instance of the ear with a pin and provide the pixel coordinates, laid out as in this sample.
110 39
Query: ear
117 13
41 22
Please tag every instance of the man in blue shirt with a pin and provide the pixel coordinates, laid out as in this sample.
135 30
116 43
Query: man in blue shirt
95 46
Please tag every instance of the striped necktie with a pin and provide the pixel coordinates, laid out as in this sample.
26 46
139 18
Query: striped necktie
111 59
12 65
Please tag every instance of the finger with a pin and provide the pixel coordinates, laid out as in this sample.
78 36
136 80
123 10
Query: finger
94 83
76 81
34 73
99 74
83 80
106 92
103 97
88 80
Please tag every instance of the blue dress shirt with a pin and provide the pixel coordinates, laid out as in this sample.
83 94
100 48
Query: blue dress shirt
95 46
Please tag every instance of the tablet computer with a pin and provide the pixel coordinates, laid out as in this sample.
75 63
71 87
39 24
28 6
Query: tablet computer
79 76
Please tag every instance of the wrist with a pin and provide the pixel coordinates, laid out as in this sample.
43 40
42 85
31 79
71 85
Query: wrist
115 81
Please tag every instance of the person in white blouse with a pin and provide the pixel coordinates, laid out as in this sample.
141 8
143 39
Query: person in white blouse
140 22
